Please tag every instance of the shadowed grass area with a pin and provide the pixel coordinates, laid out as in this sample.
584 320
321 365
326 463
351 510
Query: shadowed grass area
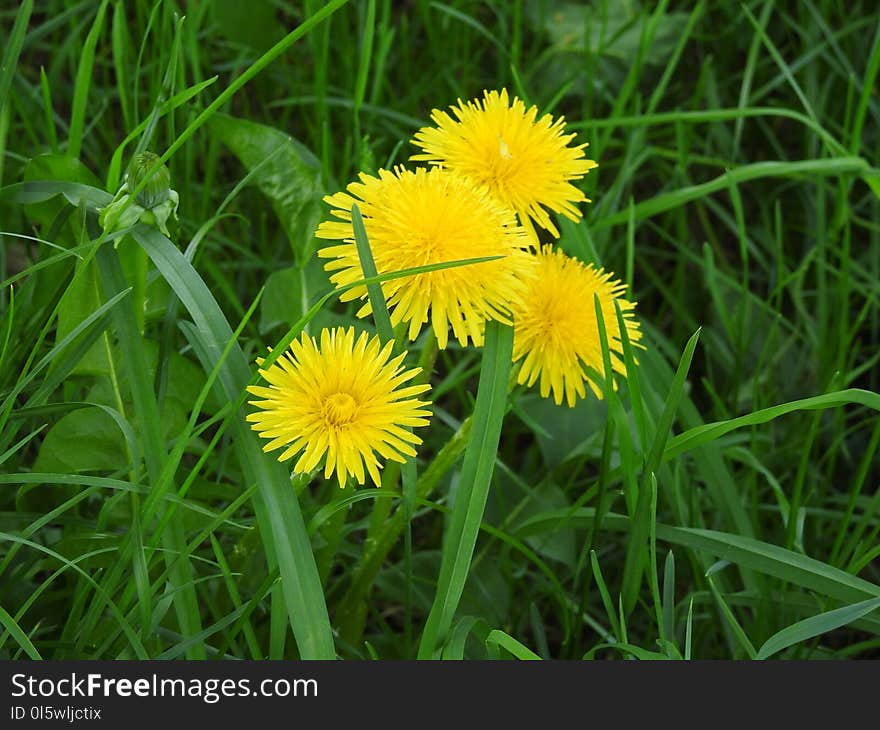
721 503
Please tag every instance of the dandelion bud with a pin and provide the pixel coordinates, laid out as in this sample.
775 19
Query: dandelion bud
158 186
153 205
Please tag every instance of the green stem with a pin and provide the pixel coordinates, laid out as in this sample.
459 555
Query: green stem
353 605
332 531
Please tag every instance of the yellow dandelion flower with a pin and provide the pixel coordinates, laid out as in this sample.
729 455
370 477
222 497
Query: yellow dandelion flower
556 332
342 399
526 162
429 217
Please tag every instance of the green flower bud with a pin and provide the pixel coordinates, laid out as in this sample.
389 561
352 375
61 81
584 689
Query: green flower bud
153 205
157 189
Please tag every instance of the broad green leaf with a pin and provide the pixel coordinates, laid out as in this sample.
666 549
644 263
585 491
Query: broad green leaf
559 544
283 299
56 167
488 593
617 36
284 171
288 294
185 380
86 439
565 432
81 297
610 37
248 24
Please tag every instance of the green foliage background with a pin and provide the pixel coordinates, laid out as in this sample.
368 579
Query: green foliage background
723 504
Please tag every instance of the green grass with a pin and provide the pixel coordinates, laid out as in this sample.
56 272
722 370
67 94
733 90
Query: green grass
722 503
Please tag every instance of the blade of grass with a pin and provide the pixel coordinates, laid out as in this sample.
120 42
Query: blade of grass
94 323
815 626
614 415
677 198
140 568
868 85
454 648
363 72
120 43
749 72
504 640
733 624
669 597
158 495
473 485
635 553
353 602
278 514
408 472
746 552
131 635
689 630
186 603
374 289
114 171
654 578
46 583
252 70
605 595
13 43
706 433
16 633
84 74
48 111
780 61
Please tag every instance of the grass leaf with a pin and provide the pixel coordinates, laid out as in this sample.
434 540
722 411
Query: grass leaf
278 514
473 485
815 626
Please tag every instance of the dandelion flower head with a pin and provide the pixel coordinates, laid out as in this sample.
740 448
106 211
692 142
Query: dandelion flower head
341 403
525 161
422 217
556 332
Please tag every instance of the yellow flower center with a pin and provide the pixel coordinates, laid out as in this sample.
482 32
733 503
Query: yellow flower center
339 409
